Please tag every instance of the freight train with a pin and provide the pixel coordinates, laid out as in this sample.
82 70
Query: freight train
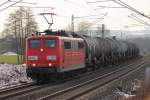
56 53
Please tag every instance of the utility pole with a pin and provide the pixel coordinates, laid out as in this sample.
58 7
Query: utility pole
27 26
19 41
20 38
121 35
21 34
16 42
103 30
72 23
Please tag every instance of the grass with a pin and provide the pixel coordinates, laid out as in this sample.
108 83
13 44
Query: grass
9 59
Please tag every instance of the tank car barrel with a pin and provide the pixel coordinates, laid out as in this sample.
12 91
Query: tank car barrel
106 49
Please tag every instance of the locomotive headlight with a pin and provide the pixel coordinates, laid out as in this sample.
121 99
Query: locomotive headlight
32 58
33 65
50 64
41 50
51 58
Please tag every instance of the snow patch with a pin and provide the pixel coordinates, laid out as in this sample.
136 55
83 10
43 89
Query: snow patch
12 75
10 53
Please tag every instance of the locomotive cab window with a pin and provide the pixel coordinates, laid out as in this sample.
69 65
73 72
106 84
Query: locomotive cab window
67 45
50 43
34 43
80 45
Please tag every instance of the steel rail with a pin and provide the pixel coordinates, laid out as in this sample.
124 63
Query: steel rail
63 92
14 87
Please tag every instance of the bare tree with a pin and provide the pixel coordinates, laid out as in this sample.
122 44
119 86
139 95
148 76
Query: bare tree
68 28
21 22
83 27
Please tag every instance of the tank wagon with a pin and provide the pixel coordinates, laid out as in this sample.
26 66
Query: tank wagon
58 53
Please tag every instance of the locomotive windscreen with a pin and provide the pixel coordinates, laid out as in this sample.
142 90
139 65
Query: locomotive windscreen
34 43
50 43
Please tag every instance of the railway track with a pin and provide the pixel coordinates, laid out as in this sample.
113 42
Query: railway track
18 90
55 88
79 90
9 89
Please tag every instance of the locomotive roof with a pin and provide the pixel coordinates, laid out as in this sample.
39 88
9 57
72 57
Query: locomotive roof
54 36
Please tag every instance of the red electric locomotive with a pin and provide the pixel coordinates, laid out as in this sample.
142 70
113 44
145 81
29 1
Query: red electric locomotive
50 54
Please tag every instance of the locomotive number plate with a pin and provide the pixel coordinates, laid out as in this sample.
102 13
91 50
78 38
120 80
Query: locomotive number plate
51 57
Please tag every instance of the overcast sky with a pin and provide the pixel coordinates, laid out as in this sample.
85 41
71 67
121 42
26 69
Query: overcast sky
115 18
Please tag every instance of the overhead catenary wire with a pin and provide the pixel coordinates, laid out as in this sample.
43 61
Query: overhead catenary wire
123 4
130 8
99 1
95 16
126 6
142 22
95 21
24 2
89 6
79 5
140 19
11 5
33 7
89 16
110 7
4 3
133 25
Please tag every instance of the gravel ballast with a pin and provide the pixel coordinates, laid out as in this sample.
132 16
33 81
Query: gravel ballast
132 86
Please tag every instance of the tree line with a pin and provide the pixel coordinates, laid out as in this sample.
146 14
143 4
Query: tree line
20 22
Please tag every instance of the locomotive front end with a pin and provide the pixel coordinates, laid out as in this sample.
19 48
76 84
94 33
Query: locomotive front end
42 56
